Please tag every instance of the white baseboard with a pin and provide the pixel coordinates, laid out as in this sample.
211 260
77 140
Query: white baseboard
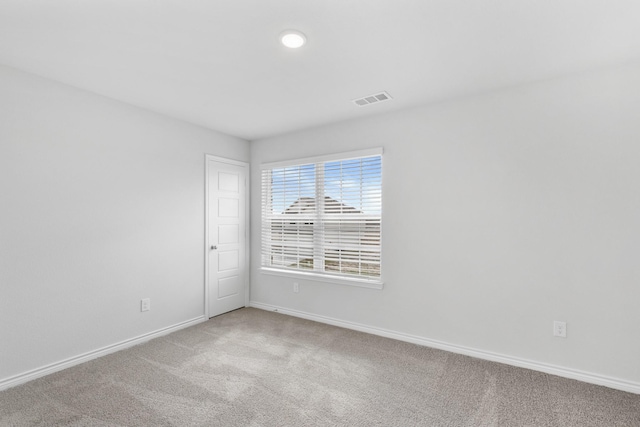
76 360
615 383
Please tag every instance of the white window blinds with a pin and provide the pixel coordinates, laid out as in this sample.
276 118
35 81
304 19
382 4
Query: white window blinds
323 215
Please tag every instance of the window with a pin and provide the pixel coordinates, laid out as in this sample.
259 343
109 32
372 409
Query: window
322 216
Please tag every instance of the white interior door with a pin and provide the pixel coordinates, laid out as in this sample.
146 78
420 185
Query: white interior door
226 240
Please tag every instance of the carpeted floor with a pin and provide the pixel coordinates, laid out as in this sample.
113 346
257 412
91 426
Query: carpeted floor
256 368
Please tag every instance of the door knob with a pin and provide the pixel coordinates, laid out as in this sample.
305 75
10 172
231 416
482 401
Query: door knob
213 248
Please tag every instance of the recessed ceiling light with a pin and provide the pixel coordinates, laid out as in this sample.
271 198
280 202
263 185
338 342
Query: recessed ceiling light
292 39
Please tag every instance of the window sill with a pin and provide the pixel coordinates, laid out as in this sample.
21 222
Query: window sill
318 277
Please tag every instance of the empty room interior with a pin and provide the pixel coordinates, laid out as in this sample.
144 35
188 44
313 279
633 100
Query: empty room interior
322 212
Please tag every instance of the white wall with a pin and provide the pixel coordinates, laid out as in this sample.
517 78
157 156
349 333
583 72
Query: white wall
502 213
101 204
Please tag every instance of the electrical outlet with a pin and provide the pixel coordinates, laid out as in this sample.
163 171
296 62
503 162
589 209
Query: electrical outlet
145 304
560 329
296 287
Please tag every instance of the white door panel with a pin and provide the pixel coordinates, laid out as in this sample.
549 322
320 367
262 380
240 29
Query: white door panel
228 233
229 287
228 182
228 260
227 269
228 208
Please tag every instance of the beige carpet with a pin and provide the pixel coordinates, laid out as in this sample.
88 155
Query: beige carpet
256 368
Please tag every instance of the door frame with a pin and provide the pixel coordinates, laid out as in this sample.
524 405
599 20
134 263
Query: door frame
247 212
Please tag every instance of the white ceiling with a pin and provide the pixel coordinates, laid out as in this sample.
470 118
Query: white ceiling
218 63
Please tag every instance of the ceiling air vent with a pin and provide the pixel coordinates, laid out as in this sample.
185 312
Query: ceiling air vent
372 99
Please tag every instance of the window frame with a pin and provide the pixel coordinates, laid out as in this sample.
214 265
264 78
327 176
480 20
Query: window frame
318 246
